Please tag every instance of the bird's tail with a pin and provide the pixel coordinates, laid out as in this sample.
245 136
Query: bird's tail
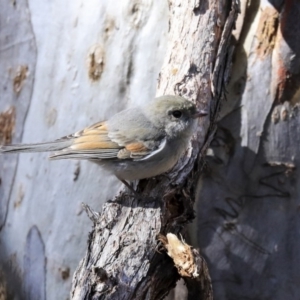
40 147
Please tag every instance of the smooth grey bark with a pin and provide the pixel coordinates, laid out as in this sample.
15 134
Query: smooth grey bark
122 261
64 66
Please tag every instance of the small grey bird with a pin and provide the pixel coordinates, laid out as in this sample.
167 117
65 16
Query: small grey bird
136 143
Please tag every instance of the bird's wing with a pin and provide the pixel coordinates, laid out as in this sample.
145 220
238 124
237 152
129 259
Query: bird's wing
121 137
97 142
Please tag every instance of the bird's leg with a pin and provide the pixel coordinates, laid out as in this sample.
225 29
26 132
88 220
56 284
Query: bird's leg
128 186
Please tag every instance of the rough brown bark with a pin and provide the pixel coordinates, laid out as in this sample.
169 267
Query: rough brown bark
122 261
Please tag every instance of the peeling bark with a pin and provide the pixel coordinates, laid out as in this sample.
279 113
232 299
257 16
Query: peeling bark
190 265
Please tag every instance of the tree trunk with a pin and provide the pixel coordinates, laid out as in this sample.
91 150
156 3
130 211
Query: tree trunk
248 209
67 64
64 66
123 259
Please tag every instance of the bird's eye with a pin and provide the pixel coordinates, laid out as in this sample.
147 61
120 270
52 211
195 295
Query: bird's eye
177 114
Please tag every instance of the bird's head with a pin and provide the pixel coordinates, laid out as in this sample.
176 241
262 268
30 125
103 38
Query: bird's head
173 114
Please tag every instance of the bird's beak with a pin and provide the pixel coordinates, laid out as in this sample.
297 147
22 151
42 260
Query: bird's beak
200 113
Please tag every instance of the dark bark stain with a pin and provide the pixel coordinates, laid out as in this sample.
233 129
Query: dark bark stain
288 61
64 272
96 62
130 71
19 78
7 125
200 7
